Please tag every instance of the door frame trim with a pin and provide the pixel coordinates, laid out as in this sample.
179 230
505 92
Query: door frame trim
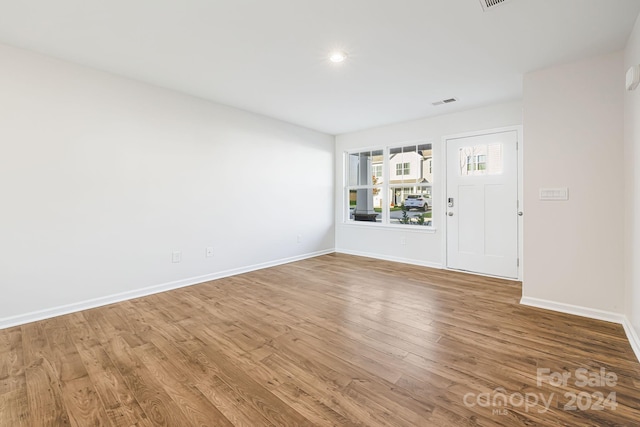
443 194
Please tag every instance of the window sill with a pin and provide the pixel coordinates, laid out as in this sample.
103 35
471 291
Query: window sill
394 227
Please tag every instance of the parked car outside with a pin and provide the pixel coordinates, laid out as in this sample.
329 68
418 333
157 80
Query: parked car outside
417 201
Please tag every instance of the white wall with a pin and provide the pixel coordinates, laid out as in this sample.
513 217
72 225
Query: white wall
101 178
632 181
573 127
421 247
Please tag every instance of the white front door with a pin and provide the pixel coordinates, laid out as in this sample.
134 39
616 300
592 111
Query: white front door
482 204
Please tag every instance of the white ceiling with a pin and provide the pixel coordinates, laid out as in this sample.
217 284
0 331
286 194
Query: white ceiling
270 56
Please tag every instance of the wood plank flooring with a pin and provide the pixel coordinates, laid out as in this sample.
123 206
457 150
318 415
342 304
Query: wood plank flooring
335 340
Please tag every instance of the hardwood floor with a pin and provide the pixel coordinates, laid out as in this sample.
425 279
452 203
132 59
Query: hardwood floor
334 340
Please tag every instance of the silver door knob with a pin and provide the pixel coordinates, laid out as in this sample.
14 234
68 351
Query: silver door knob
520 213
450 213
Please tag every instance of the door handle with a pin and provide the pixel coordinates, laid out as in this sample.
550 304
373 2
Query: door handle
450 213
520 213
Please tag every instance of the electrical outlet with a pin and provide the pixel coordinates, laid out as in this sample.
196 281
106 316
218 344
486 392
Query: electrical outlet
403 240
209 251
299 238
176 256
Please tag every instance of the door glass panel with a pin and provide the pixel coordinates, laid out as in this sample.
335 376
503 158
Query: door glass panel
481 160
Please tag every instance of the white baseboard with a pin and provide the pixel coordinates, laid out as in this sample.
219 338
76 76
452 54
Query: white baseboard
591 313
632 335
390 258
33 316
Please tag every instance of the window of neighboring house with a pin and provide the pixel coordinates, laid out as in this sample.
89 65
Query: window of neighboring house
403 169
481 162
403 198
476 163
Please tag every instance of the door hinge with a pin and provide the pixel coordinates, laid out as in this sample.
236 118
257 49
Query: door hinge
518 262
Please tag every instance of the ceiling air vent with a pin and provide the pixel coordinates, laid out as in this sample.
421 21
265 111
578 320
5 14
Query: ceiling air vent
491 4
444 101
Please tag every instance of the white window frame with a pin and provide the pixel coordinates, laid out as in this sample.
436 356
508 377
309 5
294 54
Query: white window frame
385 188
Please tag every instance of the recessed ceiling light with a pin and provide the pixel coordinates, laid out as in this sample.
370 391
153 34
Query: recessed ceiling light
337 56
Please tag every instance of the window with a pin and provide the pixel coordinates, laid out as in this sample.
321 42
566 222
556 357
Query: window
390 185
481 160
476 163
403 169
365 184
